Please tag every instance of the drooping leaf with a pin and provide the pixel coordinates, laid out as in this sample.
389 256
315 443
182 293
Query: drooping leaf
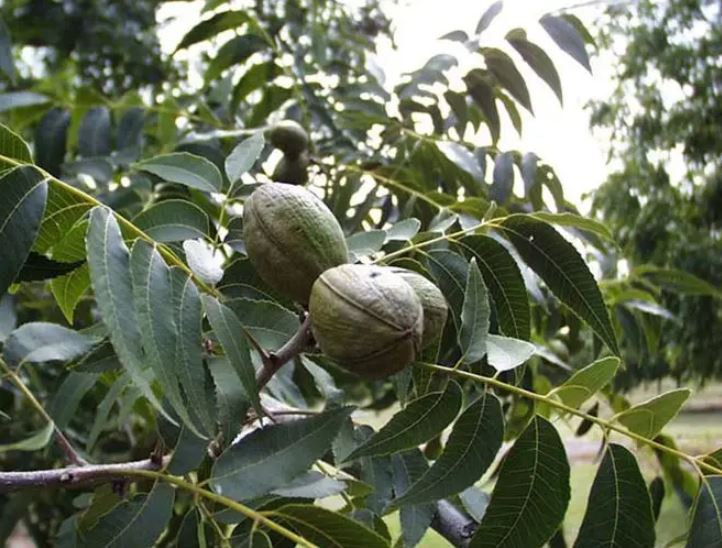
244 156
34 442
137 522
538 60
488 16
12 145
450 271
271 457
50 140
186 169
154 308
586 382
505 283
173 221
255 77
417 423
129 134
69 289
188 314
108 259
649 417
482 92
473 443
231 400
502 66
229 331
234 52
531 495
504 353
706 528
567 38
94 133
100 422
8 316
37 342
323 527
408 467
503 184
22 202
474 316
203 260
564 271
209 28
619 510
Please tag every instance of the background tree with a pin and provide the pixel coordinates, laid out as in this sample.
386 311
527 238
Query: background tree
136 331
663 200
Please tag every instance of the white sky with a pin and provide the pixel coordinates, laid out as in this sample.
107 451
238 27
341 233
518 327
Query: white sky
559 135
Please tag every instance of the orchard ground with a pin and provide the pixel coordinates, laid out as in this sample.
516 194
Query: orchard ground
697 430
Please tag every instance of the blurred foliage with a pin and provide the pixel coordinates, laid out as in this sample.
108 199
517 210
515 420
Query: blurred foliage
664 199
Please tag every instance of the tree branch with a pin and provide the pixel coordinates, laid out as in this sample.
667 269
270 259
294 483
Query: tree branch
275 360
453 524
75 476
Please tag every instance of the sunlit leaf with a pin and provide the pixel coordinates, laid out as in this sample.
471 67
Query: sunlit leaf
12 145
649 417
504 353
244 156
567 38
586 382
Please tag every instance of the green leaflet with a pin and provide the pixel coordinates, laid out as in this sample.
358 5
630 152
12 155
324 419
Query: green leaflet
272 456
473 443
172 221
648 418
706 529
137 522
474 316
408 467
185 169
505 282
12 146
417 423
561 267
229 331
326 528
619 510
586 382
532 493
23 192
155 311
109 263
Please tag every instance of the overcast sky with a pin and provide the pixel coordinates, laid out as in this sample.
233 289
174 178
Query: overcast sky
559 135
